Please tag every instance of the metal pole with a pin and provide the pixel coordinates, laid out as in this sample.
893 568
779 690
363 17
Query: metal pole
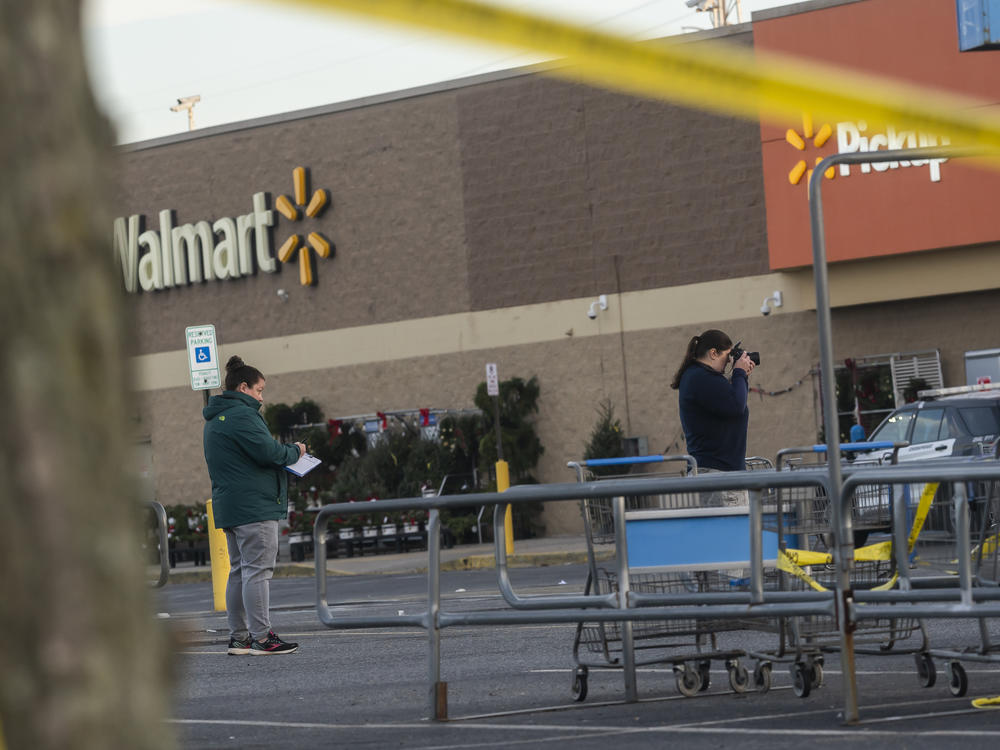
962 546
900 546
844 547
438 690
160 514
628 645
756 548
843 534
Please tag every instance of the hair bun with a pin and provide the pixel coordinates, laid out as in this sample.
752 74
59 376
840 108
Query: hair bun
234 363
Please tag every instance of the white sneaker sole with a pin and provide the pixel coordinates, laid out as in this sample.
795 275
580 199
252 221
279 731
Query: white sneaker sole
258 652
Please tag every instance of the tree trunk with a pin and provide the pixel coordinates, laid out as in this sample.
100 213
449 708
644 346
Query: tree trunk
83 661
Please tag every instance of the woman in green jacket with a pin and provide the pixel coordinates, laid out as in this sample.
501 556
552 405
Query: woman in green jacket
249 497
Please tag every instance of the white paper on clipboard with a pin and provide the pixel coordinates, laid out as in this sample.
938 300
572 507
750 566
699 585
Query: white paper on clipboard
304 465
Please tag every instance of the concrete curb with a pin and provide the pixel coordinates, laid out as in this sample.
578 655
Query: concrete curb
470 562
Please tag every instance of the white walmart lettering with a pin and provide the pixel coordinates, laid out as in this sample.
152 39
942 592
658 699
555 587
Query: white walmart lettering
851 139
189 253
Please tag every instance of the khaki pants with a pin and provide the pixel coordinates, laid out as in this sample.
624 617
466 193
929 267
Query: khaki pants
723 498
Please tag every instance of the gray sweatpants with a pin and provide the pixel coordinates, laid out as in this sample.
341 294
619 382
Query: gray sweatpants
253 550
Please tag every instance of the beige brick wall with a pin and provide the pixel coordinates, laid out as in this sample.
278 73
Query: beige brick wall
574 375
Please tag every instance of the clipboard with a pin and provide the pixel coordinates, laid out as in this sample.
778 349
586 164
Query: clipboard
304 465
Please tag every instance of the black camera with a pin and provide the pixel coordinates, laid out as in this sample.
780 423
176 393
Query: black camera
737 352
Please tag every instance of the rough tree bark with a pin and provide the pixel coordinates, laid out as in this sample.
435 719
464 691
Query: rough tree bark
83 662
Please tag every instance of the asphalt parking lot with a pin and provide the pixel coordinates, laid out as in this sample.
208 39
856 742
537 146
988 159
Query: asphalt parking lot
510 686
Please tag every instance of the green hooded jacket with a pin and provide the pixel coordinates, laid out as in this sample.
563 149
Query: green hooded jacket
249 482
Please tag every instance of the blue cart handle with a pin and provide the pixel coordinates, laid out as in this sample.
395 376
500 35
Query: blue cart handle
884 445
627 460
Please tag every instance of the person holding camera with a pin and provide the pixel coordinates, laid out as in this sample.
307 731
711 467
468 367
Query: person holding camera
713 407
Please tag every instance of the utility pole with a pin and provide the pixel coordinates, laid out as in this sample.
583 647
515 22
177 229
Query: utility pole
187 103
721 10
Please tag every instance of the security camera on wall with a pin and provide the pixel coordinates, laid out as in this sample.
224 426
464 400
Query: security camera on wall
775 299
601 303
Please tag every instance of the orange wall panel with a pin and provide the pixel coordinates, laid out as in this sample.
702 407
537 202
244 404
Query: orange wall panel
886 210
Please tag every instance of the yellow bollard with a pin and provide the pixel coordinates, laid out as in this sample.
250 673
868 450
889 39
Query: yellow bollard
219 554
503 484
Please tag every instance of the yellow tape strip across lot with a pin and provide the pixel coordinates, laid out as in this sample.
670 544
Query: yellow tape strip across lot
713 75
790 560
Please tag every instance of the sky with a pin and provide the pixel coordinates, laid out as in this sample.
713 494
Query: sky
252 58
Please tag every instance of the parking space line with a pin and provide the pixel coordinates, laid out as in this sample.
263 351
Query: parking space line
590 731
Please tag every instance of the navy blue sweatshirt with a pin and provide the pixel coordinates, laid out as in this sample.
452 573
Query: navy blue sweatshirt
714 416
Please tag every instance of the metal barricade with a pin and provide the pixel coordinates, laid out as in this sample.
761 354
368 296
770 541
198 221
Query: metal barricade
944 518
628 606
625 607
804 517
160 514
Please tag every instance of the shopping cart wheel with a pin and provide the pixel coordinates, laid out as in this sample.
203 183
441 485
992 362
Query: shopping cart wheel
739 679
926 672
762 677
801 678
688 679
705 670
816 674
958 681
580 684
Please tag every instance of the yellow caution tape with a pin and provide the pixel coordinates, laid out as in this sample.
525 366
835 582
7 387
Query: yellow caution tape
923 508
874 552
807 557
786 564
789 560
926 498
888 584
736 80
870 553
989 546
992 702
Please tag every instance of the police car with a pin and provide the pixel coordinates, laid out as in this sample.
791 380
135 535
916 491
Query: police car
944 422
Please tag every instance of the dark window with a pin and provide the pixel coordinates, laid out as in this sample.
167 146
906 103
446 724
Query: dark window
927 426
981 421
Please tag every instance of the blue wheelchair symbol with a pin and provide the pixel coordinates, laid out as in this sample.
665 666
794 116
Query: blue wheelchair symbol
202 354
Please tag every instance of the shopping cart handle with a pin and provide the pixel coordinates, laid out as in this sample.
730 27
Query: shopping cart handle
623 461
884 445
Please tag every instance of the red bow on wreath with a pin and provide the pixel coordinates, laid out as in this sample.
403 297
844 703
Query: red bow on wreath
333 428
425 417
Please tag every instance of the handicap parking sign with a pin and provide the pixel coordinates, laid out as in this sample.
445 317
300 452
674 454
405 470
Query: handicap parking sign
203 358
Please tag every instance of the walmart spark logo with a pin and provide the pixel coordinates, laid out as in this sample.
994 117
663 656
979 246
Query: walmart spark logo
319 244
799 142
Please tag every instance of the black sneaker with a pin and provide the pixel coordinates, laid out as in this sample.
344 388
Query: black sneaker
271 645
239 647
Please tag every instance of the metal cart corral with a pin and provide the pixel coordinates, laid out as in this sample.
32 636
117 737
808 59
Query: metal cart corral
667 554
951 521
805 516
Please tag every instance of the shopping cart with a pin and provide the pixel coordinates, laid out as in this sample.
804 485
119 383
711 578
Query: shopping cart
804 515
689 645
950 521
